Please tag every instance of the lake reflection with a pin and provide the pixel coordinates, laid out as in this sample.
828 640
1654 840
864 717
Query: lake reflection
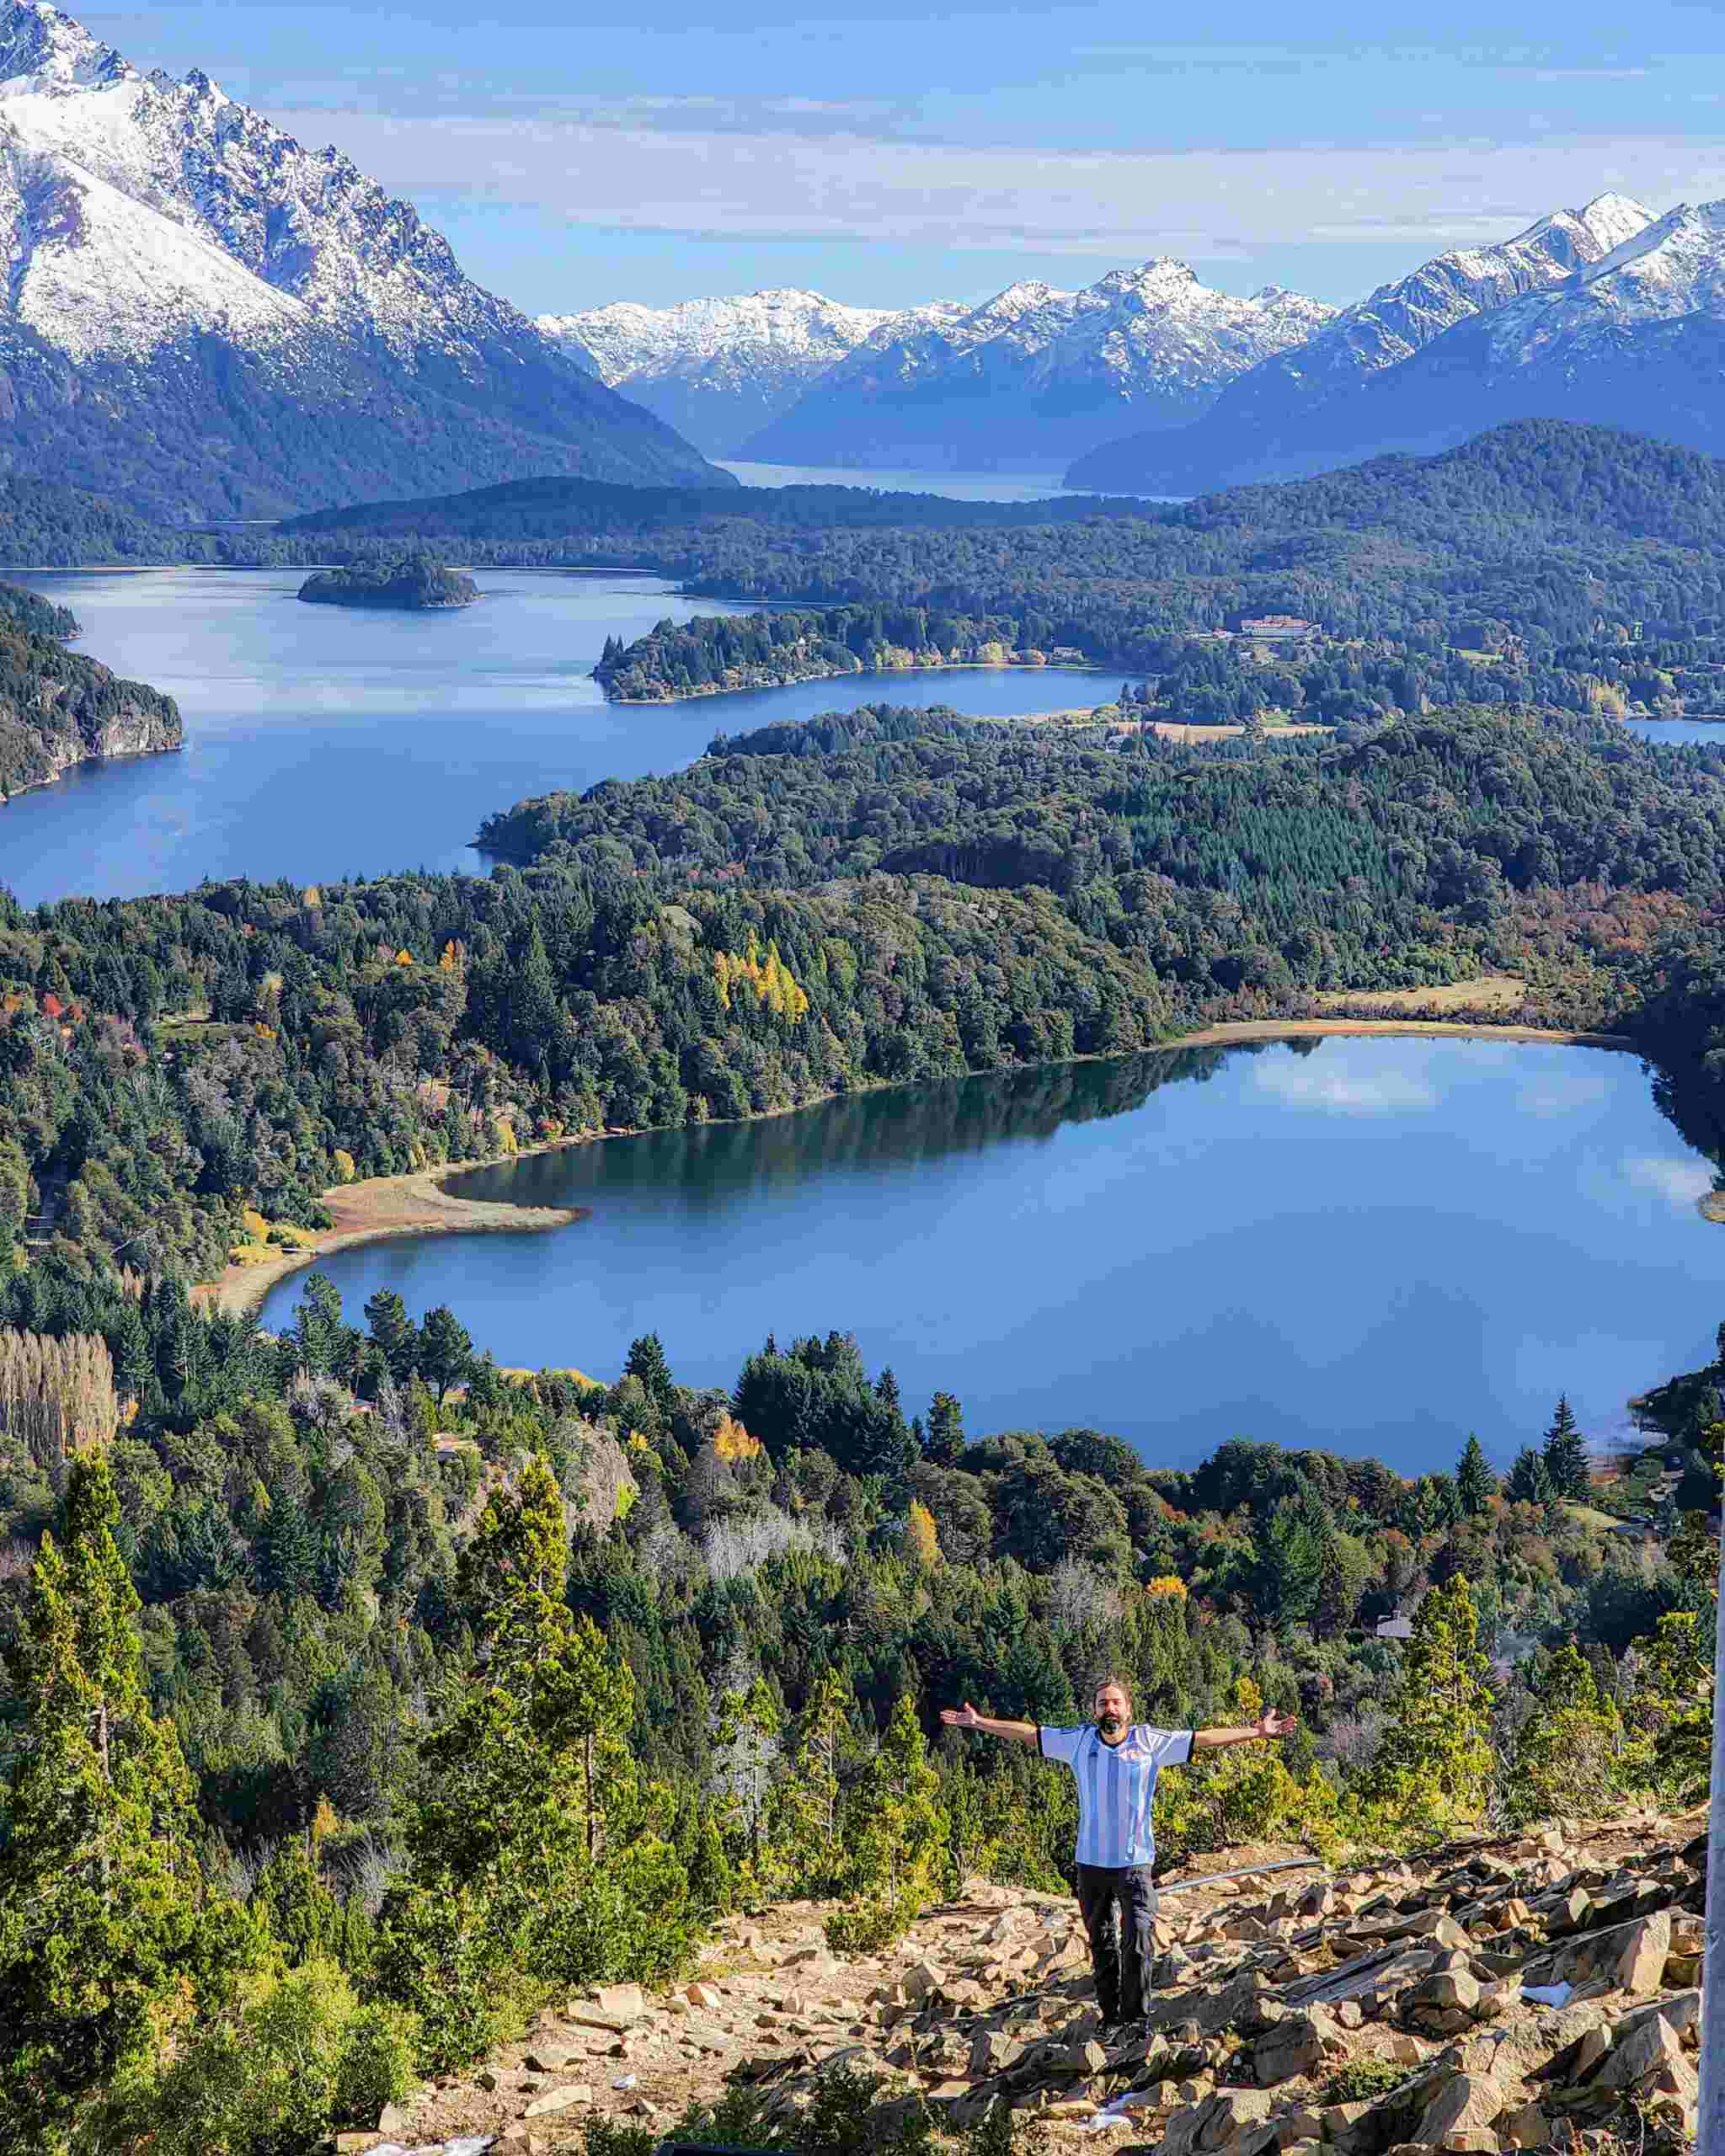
1371 1244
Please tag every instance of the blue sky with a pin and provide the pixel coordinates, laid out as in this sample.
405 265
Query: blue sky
660 149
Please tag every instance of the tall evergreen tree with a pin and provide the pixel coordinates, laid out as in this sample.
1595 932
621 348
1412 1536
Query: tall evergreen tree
1530 1482
105 1943
1474 1483
446 1351
1432 1770
646 1361
944 1443
1565 1455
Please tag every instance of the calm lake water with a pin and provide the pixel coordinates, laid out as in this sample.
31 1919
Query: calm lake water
1371 1244
1678 730
321 743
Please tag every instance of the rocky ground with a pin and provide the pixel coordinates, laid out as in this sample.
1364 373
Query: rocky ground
1496 1996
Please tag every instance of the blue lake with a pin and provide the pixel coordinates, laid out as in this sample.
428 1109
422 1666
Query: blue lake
1370 1244
321 743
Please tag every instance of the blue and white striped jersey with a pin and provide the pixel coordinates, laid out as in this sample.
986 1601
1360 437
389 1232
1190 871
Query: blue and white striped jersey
1116 1787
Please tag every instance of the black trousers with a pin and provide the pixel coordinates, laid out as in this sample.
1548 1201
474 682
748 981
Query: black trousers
1119 1906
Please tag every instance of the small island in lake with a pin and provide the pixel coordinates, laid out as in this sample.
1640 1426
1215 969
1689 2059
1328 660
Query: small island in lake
414 583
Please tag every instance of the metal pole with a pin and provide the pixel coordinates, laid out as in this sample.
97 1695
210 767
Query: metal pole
1246 1871
1709 2130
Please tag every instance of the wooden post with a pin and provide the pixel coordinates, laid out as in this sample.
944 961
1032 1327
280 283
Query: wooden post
1710 2132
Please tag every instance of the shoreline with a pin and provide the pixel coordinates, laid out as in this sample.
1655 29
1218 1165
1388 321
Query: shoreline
864 674
379 1206
417 1203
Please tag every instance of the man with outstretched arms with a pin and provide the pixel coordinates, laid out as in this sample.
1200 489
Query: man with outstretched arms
1114 1762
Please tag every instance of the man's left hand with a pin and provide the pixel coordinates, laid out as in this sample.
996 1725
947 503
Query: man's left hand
1274 1725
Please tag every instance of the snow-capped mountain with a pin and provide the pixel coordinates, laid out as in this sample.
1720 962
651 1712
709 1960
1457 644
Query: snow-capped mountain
1636 340
1035 375
208 317
1273 422
717 369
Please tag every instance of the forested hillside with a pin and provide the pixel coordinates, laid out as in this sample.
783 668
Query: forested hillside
769 928
411 1694
57 708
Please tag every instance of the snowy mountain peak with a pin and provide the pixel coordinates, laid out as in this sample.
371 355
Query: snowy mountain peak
41 49
184 287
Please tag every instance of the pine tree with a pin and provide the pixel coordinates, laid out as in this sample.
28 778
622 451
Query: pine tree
1529 1480
1474 1483
1565 1455
394 1333
105 1945
1569 1752
1433 1769
802 1820
944 1443
895 1834
646 1361
445 1356
537 1851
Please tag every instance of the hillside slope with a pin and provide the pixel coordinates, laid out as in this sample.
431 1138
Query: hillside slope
1274 1993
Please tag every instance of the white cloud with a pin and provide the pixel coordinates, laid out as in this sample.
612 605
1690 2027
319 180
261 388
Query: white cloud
1312 1081
790 174
1683 1184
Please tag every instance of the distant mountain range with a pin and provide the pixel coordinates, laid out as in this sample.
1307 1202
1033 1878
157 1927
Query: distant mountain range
1036 376
204 319
718 370
1421 364
1150 381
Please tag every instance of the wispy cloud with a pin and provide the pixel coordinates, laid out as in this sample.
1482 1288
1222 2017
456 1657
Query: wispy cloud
1312 1081
833 173
1683 1184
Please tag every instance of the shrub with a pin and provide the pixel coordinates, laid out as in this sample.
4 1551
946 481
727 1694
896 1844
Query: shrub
297 2057
1363 2079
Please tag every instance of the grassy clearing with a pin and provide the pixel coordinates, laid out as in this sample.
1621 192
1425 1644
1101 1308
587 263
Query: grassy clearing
1490 992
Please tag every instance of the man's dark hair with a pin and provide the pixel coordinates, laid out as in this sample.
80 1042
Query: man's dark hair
1111 1676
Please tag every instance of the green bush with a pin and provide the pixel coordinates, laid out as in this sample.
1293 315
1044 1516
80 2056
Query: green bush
435 1953
298 2057
1362 2078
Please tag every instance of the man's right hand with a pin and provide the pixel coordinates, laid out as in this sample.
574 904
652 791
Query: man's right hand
964 1717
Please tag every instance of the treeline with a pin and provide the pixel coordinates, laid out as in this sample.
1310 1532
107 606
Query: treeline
398 1695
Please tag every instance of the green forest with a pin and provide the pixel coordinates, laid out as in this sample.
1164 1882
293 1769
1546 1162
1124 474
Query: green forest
360 1696
773 926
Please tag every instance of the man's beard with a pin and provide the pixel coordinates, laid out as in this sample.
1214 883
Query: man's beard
1110 1725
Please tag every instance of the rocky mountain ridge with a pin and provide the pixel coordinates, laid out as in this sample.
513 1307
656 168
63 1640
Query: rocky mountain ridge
238 324
1483 1998
1024 381
1284 419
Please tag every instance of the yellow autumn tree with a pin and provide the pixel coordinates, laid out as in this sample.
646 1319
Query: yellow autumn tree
922 1538
732 1442
344 1169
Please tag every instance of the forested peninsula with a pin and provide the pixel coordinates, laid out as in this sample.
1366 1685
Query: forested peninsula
59 709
